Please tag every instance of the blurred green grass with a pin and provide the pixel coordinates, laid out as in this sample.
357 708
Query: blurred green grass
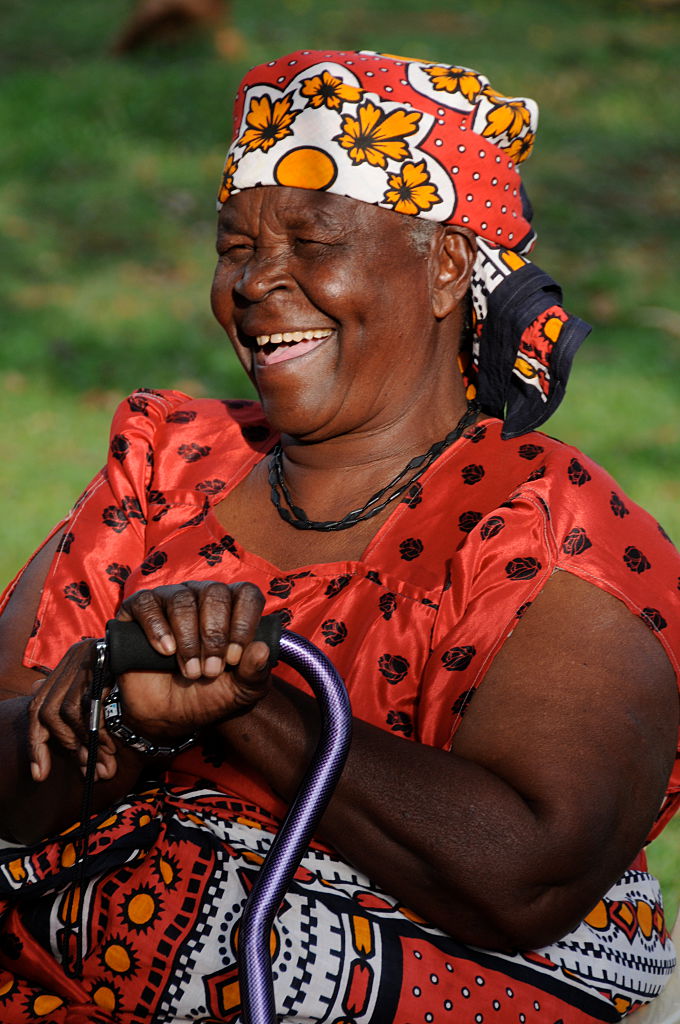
109 170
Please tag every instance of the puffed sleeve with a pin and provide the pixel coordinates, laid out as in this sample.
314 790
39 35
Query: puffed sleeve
103 536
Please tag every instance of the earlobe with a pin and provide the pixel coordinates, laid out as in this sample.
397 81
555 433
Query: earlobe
452 263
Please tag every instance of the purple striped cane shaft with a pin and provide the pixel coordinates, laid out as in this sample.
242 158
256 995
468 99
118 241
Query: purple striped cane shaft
292 839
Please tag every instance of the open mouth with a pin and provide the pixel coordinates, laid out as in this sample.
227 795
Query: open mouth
281 346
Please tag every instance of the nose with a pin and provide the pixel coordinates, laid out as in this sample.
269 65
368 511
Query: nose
263 273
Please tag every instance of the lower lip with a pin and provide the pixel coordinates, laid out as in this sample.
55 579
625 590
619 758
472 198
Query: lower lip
284 353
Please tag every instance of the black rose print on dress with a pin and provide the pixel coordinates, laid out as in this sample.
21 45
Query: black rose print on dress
79 593
475 434
410 548
413 496
118 573
491 527
154 561
522 568
158 498
337 584
138 404
529 451
635 560
211 487
387 605
468 520
462 702
286 617
399 721
653 618
617 506
472 474
132 508
198 518
181 416
374 577
536 474
393 667
193 452
457 659
65 541
280 586
576 542
578 474
214 551
334 632
119 447
115 518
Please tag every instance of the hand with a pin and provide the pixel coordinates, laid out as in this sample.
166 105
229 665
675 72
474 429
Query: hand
58 714
210 627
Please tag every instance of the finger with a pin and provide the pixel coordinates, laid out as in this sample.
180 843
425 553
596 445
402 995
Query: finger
182 613
44 720
215 606
62 711
246 612
40 761
147 608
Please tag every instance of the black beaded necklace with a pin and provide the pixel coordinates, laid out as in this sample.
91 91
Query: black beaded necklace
297 516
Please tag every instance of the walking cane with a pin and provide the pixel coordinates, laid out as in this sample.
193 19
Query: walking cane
129 650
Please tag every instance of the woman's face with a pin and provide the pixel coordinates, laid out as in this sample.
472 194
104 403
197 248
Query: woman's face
328 305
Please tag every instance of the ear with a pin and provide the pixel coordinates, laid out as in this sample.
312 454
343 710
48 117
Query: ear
455 250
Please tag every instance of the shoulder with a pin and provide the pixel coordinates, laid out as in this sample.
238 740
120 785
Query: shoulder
153 427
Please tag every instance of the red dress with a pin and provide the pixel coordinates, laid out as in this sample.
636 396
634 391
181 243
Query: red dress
412 627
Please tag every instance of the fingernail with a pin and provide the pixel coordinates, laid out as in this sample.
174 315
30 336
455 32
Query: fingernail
168 644
213 666
261 662
36 774
234 652
192 668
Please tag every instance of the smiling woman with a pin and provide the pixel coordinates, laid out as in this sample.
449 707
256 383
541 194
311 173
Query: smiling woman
502 614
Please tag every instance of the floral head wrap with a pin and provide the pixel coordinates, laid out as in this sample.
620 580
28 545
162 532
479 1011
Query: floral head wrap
428 140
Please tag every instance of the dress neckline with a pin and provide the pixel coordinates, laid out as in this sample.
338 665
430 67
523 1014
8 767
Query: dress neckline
367 556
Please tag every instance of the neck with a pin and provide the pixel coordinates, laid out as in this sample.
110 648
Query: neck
327 479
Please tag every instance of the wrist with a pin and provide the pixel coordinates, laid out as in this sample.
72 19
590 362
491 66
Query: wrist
131 736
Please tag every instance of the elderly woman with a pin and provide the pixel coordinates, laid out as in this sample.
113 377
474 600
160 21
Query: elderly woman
504 617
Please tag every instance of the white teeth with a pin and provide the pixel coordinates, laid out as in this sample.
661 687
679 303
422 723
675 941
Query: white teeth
293 336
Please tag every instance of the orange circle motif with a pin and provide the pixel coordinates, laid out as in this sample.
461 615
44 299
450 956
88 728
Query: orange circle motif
117 958
306 167
141 908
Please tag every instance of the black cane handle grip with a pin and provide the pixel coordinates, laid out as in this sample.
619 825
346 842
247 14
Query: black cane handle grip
130 651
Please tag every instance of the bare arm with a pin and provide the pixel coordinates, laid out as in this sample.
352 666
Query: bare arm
553 783
41 784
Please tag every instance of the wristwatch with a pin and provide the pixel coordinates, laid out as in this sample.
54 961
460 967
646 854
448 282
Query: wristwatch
113 720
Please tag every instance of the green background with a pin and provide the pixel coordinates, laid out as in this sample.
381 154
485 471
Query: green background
110 166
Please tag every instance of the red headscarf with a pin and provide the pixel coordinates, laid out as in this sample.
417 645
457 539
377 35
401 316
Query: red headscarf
429 140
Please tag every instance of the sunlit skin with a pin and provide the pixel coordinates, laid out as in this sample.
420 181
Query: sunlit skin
560 765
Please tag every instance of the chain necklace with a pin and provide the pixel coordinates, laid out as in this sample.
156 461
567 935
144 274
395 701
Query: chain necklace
297 516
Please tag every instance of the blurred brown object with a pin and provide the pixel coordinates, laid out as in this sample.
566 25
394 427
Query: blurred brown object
153 21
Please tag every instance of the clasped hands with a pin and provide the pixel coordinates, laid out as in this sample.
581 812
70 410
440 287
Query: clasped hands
209 627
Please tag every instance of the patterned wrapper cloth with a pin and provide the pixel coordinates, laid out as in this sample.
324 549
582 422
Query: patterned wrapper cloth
425 140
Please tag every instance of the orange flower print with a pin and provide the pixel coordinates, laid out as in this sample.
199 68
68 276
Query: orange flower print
509 117
410 191
227 179
326 90
268 123
376 136
448 79
520 149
